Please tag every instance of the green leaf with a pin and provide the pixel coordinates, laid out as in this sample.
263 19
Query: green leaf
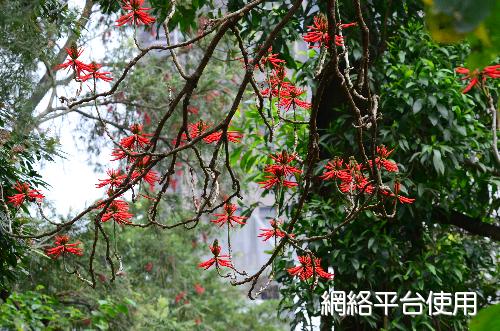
417 106
438 163
487 319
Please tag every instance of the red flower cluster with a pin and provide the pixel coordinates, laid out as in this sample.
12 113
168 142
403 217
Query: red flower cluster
273 232
290 98
63 247
350 175
305 270
83 71
150 177
95 74
228 217
118 212
136 13
277 83
381 159
78 66
137 140
288 95
116 177
25 193
477 76
318 33
218 260
352 178
272 59
280 170
198 128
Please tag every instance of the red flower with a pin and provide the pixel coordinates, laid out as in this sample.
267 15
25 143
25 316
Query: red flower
136 13
318 32
282 164
78 66
357 182
218 260
151 177
148 267
180 296
381 160
95 74
232 136
335 169
25 193
199 289
272 59
118 212
492 71
290 98
137 139
194 130
115 179
277 178
277 83
474 76
347 25
62 247
229 217
468 75
278 172
306 270
273 232
401 198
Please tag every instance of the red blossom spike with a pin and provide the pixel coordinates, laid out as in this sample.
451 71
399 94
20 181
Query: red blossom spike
358 182
151 176
318 36
25 193
280 171
218 260
401 198
381 159
274 231
228 217
137 139
63 247
290 98
475 75
318 32
272 59
232 136
305 270
335 169
95 74
116 177
136 13
78 66
118 212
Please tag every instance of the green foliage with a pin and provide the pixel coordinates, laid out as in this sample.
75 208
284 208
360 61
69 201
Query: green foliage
18 158
443 149
29 31
34 310
486 319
